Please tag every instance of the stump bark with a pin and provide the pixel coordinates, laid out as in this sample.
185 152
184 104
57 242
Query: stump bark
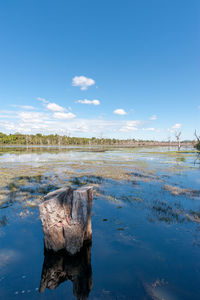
66 218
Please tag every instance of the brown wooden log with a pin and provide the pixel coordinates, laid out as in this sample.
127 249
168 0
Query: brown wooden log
66 218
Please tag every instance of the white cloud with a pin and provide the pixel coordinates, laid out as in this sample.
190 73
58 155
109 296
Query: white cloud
55 107
130 126
82 127
60 122
28 107
86 101
32 117
8 114
128 129
120 111
149 129
42 100
152 118
63 123
51 106
64 116
82 82
175 127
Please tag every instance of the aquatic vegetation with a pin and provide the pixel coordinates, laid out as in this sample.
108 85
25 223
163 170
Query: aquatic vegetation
34 203
111 199
167 213
159 282
145 176
3 221
145 216
176 190
180 158
193 216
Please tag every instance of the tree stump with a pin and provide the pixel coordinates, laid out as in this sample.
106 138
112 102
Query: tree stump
66 218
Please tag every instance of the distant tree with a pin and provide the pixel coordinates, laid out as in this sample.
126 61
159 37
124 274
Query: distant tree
198 140
169 141
177 135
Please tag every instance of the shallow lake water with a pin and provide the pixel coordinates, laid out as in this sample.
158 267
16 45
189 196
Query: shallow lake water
145 222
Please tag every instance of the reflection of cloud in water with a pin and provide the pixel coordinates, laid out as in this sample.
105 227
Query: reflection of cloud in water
8 256
71 156
46 157
159 292
2 233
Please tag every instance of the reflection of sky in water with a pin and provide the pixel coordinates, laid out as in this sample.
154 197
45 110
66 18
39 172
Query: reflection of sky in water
130 251
118 155
141 249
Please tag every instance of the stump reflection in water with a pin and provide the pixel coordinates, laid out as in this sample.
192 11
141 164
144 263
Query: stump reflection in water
60 266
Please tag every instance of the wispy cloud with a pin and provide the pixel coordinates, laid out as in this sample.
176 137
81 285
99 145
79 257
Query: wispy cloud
65 122
86 101
32 117
120 111
64 116
56 119
42 100
131 126
55 107
153 118
148 129
175 127
51 106
82 82
26 107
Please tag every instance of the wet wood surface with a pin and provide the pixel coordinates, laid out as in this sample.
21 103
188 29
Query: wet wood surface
66 218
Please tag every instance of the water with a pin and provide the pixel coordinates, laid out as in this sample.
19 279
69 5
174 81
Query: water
145 220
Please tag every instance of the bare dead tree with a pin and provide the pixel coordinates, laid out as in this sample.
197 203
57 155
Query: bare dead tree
197 137
177 135
198 140
59 141
41 144
26 141
169 142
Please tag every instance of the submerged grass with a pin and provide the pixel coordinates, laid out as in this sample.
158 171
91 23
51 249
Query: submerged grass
27 184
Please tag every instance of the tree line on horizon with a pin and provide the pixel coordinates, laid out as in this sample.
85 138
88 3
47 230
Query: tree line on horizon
59 140
55 139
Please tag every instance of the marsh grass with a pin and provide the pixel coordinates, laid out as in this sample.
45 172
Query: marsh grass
27 185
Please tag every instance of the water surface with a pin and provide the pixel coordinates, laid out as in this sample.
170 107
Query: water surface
145 220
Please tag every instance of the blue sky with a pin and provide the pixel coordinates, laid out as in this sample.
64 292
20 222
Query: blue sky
123 69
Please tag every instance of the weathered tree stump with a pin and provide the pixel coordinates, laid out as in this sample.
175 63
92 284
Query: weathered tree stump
59 267
66 218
